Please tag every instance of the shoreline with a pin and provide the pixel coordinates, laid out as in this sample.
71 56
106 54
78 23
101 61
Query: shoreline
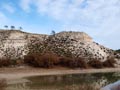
21 72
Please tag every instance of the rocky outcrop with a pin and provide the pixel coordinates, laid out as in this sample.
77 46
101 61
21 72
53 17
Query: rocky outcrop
78 44
15 44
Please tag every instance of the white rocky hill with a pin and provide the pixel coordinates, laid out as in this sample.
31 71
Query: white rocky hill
15 44
78 44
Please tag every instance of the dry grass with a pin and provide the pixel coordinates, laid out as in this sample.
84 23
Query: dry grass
109 62
72 62
82 63
49 60
5 62
95 63
46 60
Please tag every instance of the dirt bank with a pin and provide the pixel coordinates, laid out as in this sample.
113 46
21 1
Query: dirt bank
20 72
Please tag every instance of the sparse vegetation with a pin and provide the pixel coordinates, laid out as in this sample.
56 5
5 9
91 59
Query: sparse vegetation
73 62
109 62
49 60
6 26
65 61
46 60
53 32
95 63
20 28
5 62
82 63
12 27
118 51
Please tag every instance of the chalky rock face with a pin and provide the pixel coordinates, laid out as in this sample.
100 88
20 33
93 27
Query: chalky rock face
79 36
78 44
12 44
15 44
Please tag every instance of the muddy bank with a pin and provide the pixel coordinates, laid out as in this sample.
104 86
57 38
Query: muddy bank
20 72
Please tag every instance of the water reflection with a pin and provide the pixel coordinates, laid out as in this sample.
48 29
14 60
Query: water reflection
61 82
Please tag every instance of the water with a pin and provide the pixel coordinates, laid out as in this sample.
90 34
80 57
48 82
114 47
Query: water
63 82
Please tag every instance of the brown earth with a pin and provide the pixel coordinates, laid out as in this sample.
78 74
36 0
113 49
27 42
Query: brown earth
23 71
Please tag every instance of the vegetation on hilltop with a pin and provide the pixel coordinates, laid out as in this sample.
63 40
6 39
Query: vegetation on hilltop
118 50
12 27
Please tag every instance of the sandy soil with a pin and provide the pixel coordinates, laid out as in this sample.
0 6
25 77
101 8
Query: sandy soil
20 72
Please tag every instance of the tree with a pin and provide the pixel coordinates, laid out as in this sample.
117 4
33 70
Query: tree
20 28
118 50
12 27
53 32
6 26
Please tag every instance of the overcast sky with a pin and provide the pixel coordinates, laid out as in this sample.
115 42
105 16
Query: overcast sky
98 18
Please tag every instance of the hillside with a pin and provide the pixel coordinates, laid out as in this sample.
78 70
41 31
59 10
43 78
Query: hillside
15 44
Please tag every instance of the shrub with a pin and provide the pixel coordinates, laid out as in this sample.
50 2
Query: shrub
5 62
109 62
30 59
73 62
95 63
46 60
64 61
19 62
49 59
82 63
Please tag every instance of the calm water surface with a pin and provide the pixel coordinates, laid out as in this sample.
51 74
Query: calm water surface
62 82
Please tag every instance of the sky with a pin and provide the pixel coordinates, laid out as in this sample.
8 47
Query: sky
98 18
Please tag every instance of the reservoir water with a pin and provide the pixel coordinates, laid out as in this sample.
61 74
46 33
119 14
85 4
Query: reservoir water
64 82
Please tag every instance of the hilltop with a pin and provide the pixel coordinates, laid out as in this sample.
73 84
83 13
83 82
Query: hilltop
15 44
